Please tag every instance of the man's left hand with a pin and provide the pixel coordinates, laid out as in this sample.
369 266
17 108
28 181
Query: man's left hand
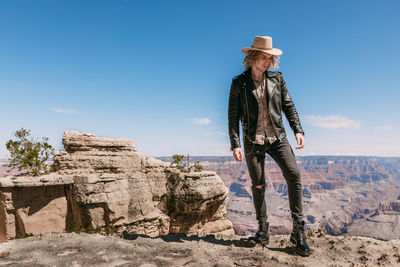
300 140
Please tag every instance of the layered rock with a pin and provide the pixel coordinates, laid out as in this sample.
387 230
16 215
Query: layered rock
106 182
389 208
384 223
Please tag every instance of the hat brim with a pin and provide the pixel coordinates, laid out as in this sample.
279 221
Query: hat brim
272 51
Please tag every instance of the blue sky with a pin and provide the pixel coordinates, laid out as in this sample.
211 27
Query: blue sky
159 72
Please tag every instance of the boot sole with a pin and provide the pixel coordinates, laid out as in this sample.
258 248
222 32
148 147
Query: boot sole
299 251
302 252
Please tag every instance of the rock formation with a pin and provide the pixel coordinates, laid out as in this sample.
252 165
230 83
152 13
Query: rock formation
389 207
105 182
386 219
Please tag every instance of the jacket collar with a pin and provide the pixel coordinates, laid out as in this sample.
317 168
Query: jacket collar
272 81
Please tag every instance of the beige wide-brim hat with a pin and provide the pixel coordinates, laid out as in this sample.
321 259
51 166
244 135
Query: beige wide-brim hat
263 44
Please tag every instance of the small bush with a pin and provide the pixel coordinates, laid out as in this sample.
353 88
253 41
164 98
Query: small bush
185 166
319 232
29 155
103 230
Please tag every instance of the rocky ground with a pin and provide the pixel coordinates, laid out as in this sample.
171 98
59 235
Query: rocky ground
70 249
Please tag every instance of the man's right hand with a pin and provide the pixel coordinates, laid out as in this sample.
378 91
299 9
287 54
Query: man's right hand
237 154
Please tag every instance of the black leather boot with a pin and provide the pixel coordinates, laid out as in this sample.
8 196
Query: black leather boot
261 237
298 238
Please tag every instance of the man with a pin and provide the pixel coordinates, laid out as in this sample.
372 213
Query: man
257 99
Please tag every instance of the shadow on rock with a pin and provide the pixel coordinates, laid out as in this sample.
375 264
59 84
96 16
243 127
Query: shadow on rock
287 250
180 238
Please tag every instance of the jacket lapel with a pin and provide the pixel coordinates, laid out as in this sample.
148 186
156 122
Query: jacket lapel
272 82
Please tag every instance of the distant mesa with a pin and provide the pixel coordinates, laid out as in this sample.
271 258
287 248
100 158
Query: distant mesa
389 208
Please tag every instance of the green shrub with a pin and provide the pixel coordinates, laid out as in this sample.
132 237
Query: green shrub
109 229
185 166
319 232
29 155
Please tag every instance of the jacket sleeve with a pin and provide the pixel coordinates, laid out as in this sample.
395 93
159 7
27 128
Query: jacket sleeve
289 109
234 112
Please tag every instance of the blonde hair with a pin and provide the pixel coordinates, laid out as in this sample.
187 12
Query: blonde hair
252 56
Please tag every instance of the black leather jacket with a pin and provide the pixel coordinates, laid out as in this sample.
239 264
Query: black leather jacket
243 106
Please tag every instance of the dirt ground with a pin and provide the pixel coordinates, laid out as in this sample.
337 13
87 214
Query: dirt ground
70 249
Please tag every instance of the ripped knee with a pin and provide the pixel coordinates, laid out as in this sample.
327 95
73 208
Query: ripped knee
259 187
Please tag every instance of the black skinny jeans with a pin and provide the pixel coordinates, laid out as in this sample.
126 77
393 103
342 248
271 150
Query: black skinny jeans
282 153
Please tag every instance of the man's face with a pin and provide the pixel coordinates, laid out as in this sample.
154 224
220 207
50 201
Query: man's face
262 62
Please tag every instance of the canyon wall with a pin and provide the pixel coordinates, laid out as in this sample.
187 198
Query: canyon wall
348 195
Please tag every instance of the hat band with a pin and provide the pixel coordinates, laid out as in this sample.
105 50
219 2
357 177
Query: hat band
261 48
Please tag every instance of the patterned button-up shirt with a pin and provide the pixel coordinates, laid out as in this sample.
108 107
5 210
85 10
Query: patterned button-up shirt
264 125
